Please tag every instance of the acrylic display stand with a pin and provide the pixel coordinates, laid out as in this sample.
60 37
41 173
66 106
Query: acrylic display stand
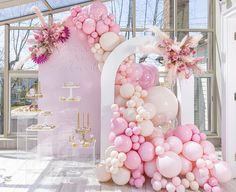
70 98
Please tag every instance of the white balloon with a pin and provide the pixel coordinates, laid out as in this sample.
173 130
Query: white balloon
164 100
101 173
127 90
109 41
147 127
121 177
130 114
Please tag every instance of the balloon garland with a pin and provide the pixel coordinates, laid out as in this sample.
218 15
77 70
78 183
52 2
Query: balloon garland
176 160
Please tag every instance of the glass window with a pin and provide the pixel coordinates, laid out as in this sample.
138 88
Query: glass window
1 48
155 12
60 16
203 103
1 77
20 10
122 9
23 109
60 3
19 49
194 14
29 23
1 103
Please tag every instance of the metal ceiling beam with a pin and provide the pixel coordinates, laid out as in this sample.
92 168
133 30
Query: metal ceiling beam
45 2
32 16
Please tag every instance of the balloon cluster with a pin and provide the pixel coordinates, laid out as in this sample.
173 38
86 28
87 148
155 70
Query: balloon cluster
99 28
176 160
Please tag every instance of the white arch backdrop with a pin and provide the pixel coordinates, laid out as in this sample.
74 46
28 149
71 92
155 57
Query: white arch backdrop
108 76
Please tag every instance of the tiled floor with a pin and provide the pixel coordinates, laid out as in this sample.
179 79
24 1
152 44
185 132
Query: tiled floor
18 174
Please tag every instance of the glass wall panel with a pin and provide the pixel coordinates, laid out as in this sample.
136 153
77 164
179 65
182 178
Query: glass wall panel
1 77
19 49
23 109
158 13
122 9
194 14
203 103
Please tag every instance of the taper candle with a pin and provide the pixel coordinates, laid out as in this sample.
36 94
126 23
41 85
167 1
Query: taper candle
78 123
83 120
88 120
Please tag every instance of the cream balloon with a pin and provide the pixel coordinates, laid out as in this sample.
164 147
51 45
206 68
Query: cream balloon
151 109
164 100
109 150
105 55
121 177
147 128
109 41
120 101
127 90
101 173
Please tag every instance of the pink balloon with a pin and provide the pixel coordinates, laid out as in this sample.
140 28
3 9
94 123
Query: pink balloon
133 160
115 28
184 133
208 147
186 165
192 151
101 28
200 178
137 72
175 143
150 168
89 26
150 76
146 151
111 137
169 133
97 9
118 125
169 164
123 143
221 172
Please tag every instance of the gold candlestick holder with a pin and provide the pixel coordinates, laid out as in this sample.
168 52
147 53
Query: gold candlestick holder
85 138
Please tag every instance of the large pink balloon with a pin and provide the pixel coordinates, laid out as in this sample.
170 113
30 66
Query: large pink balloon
169 164
201 179
222 172
123 143
146 151
184 133
150 168
192 151
150 76
165 101
115 28
137 72
208 147
133 160
118 125
175 143
186 166
97 9
89 26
